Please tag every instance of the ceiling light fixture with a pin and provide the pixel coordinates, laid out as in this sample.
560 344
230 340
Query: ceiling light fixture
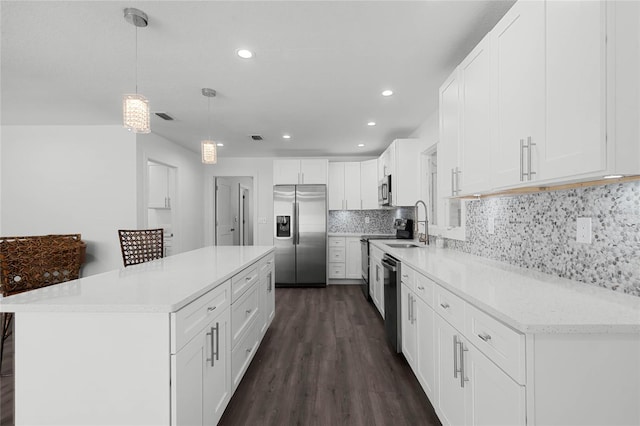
387 92
360 145
220 144
135 107
371 123
209 150
612 177
286 136
244 53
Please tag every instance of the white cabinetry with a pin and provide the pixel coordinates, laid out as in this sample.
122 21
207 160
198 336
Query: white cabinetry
369 184
344 258
475 118
344 186
159 181
267 293
401 160
376 278
409 333
304 171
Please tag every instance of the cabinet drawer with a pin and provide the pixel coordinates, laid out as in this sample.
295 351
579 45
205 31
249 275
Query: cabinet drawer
425 288
501 344
336 270
188 321
242 354
243 280
266 263
408 277
450 307
243 311
336 254
336 242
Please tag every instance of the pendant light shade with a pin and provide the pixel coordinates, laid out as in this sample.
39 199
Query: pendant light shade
208 147
135 113
135 107
209 152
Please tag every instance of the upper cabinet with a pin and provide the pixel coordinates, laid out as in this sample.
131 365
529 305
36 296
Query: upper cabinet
401 161
294 172
475 119
518 75
159 186
344 186
369 184
550 95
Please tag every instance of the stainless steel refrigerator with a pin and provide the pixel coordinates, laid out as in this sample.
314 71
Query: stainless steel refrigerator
300 235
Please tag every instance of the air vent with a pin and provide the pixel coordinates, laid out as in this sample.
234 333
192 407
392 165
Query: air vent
257 138
164 116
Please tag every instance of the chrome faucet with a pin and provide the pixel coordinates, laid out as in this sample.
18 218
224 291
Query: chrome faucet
423 238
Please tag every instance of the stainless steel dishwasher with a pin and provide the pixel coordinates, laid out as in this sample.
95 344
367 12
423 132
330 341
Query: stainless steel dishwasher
392 301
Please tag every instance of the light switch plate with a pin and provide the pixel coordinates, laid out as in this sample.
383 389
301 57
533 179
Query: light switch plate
366 219
583 230
262 220
491 225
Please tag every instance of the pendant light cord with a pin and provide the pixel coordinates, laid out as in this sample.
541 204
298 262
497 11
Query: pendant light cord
209 115
136 60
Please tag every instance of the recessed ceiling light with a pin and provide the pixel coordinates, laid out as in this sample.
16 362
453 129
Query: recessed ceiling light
286 136
220 144
360 145
371 123
244 53
387 93
612 177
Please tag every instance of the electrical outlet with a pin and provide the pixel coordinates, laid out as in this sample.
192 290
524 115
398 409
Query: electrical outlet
262 220
366 219
583 230
491 225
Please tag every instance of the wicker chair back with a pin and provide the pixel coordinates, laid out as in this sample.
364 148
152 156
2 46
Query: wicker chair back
142 245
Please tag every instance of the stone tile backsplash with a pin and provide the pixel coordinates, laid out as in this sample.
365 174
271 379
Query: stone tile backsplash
380 221
538 231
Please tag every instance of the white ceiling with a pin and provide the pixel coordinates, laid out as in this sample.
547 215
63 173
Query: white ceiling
318 71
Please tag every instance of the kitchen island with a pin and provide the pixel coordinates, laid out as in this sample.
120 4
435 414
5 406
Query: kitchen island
164 342
492 343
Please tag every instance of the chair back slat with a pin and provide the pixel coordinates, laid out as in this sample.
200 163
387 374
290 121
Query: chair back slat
141 245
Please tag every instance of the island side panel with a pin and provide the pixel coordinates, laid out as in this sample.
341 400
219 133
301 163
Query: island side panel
92 368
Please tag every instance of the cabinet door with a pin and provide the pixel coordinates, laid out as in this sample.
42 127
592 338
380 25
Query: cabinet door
451 402
369 184
187 382
286 172
271 296
475 104
336 186
408 303
217 371
313 172
492 397
575 94
352 186
426 348
353 264
158 186
518 50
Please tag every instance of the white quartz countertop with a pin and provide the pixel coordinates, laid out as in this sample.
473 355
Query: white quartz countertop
163 285
356 234
526 300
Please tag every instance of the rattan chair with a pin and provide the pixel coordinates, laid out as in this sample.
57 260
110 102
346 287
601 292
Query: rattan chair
142 245
31 262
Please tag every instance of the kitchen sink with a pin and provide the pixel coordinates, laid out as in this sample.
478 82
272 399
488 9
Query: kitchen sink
402 245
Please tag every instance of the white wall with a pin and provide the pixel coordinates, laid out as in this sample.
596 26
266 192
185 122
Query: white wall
429 129
189 205
70 179
261 169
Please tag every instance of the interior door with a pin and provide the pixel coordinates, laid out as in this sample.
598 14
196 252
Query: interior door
225 226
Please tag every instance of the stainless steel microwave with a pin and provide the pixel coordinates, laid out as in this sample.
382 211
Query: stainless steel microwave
384 191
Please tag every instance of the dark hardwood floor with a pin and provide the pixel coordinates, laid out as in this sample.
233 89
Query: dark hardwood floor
325 361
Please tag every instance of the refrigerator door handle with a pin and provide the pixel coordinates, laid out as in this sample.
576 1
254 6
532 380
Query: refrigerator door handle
296 212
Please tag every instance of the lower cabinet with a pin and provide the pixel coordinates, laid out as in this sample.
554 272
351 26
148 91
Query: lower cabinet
376 279
267 293
409 326
201 385
425 347
345 258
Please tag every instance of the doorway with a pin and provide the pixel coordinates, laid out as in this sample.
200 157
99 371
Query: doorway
233 211
162 201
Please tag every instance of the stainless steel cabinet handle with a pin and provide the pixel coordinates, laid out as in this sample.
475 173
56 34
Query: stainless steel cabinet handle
445 305
530 144
377 272
248 278
420 288
409 307
217 342
463 378
455 356
214 352
485 336
248 311
405 276
458 180
211 308
453 189
413 310
522 173
249 350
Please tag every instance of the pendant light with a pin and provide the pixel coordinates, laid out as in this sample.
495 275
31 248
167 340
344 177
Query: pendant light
209 150
135 107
